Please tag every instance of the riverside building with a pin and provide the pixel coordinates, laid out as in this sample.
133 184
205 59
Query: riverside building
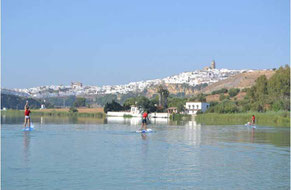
193 107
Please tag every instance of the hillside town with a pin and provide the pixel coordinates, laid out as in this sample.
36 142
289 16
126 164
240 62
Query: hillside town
208 76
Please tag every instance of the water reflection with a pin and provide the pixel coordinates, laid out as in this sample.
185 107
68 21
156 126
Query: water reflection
121 120
192 130
42 120
143 136
26 144
3 118
136 121
253 134
159 121
193 133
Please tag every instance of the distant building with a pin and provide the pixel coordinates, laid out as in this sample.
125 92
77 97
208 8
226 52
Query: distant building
194 107
172 110
213 64
135 110
76 85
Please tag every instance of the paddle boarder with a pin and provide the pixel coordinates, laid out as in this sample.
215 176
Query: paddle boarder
26 116
144 120
253 120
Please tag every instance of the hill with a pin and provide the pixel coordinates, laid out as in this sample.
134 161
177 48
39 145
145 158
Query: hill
241 81
10 101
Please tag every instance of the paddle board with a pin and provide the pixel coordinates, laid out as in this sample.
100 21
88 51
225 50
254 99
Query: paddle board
27 129
144 131
250 125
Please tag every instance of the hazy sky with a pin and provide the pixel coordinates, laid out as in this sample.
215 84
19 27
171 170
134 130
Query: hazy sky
114 42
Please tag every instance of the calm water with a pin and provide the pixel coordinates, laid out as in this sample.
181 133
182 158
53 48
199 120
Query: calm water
86 154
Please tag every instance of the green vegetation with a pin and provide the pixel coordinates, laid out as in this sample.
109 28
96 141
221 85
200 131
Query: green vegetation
265 95
177 102
113 106
16 102
143 103
233 92
272 94
221 91
281 118
178 117
73 110
163 96
223 97
108 98
199 98
146 104
103 100
55 113
79 102
127 116
65 101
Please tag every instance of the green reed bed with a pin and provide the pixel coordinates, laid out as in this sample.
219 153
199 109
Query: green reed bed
178 117
54 113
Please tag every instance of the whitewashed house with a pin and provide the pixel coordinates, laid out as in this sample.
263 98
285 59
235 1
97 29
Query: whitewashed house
134 112
194 107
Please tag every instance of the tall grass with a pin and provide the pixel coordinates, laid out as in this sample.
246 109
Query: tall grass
280 119
178 117
55 113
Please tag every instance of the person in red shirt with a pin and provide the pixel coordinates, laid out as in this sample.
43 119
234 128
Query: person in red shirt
253 120
26 116
144 120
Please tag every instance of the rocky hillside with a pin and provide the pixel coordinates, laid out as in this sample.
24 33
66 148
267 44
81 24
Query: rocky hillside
242 80
177 89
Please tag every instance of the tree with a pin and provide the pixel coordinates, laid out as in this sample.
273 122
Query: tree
145 104
73 110
225 106
177 102
279 89
201 97
129 102
113 106
10 101
222 97
233 92
80 102
223 90
163 96
258 94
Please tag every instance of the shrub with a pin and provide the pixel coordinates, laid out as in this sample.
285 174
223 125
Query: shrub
223 90
73 110
233 92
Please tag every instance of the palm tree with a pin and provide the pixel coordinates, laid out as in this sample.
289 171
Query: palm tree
160 91
163 95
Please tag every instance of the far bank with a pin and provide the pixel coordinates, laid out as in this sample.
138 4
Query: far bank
277 119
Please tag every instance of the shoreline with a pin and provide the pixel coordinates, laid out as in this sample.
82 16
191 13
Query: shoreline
276 119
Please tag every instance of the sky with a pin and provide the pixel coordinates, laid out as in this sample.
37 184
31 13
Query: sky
54 42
